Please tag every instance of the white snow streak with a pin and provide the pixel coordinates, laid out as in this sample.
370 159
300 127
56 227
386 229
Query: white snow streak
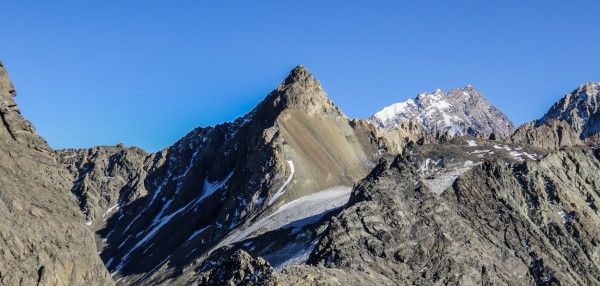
196 233
108 211
282 189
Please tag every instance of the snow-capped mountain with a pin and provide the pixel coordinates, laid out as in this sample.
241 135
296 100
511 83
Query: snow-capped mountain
459 112
580 108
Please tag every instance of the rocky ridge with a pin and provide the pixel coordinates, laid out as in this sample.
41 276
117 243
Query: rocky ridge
479 227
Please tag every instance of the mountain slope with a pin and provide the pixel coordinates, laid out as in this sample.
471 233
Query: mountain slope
459 112
43 238
174 208
500 222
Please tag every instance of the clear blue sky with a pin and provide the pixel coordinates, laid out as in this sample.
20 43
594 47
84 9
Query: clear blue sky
146 72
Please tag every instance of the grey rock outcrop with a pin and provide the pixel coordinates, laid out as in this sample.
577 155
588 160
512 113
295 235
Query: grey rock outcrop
18 127
552 134
459 112
43 238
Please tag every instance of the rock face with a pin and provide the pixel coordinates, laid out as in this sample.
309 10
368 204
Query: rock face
460 112
18 127
503 221
43 238
573 120
553 134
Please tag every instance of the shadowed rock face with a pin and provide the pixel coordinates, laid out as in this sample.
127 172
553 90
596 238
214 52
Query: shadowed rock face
460 112
43 236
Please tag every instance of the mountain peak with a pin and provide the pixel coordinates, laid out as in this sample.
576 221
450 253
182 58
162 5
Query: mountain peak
299 73
300 90
460 111
299 77
580 109
590 88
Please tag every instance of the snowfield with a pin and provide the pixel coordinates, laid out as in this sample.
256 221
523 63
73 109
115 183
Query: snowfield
298 213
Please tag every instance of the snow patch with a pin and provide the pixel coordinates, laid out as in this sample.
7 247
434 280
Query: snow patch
160 220
291 254
443 181
298 213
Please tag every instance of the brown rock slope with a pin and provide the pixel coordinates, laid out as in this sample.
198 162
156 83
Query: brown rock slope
43 236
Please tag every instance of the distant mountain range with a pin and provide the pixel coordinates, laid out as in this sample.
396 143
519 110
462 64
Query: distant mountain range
440 189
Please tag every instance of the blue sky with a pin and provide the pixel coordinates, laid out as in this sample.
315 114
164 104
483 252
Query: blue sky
145 73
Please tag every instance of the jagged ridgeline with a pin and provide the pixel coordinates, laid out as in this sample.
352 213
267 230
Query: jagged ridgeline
296 193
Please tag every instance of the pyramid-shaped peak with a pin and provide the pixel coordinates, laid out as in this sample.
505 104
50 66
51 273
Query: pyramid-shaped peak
300 90
300 75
